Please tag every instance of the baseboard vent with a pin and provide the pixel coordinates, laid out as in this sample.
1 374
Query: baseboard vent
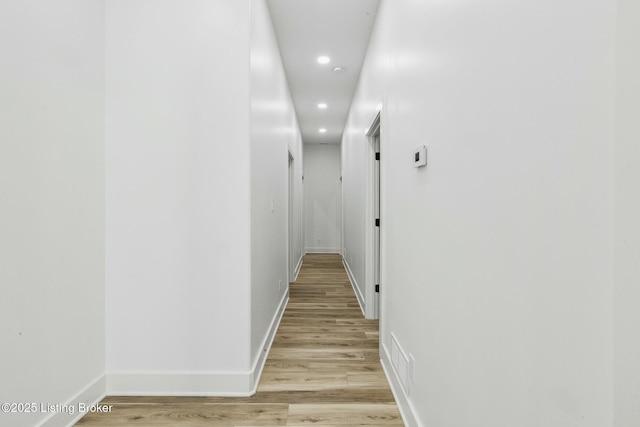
400 363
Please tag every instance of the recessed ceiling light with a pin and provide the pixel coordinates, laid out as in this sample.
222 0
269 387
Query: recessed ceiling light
322 106
322 130
324 59
338 70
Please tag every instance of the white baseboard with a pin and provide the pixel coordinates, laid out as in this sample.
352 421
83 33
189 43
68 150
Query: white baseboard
322 250
71 411
261 357
407 411
298 267
354 285
179 383
197 383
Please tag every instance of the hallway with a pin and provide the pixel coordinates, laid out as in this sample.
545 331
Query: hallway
323 369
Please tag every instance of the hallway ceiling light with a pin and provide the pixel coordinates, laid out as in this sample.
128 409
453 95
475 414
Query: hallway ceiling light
322 130
322 106
323 62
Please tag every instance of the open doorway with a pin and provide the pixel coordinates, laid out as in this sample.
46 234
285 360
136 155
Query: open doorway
374 222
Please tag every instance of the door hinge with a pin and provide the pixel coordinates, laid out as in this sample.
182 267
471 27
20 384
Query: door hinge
377 156
377 288
377 222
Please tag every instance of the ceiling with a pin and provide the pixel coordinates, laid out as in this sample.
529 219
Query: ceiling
307 29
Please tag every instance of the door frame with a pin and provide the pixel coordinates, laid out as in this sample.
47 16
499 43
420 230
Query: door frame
373 244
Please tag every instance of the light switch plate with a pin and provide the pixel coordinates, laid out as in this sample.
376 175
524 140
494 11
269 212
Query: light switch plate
420 156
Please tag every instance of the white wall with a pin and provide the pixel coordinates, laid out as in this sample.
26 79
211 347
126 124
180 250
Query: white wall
274 133
354 200
498 257
178 196
323 198
51 205
627 209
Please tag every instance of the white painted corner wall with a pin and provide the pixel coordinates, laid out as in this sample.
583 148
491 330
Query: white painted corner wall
323 198
497 258
196 233
52 213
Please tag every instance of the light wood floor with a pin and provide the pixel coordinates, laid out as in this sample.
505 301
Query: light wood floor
322 370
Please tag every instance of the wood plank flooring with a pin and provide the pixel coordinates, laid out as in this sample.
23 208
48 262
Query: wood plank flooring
323 369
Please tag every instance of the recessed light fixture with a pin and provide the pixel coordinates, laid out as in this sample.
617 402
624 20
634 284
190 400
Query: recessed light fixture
322 106
323 59
338 70
322 130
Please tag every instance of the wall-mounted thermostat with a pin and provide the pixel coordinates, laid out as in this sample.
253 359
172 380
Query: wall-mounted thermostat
420 156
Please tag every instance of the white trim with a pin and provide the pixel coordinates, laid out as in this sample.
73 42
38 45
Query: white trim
354 285
369 218
179 383
374 127
238 383
258 365
322 250
407 411
298 268
91 395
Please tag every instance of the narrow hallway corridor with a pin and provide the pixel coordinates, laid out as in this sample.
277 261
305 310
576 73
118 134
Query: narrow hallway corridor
323 369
